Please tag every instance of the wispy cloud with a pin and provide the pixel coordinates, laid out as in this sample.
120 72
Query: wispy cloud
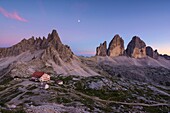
12 15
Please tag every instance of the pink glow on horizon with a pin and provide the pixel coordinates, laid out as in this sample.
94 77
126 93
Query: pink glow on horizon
8 42
162 48
164 51
13 15
86 53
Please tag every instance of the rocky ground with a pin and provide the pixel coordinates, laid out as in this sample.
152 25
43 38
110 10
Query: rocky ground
117 89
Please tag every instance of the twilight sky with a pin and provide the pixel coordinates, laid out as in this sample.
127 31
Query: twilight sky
84 24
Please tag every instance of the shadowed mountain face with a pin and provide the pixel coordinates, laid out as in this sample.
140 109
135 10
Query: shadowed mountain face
102 49
136 48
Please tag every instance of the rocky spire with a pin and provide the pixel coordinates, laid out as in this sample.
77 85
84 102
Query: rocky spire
54 38
116 46
102 49
136 48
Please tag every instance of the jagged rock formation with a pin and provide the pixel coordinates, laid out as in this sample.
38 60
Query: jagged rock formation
151 53
102 49
56 49
155 54
52 45
167 57
116 46
17 49
136 48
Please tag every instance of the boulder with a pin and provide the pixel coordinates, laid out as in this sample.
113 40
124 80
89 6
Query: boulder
136 48
116 46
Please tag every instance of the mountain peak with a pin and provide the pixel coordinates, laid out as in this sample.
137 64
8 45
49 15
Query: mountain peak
136 38
117 36
54 37
54 31
116 46
136 48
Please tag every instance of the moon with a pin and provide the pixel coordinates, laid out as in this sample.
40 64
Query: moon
78 20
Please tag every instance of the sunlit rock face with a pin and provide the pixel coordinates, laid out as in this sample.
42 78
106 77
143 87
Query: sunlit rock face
116 46
102 49
136 48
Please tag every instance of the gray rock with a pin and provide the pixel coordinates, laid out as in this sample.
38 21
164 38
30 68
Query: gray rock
149 51
102 49
155 54
136 48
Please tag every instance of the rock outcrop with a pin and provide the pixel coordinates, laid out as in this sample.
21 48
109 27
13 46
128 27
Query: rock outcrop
56 49
52 45
116 46
167 57
151 53
102 49
155 54
136 48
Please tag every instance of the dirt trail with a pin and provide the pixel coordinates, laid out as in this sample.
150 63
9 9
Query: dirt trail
116 102
123 103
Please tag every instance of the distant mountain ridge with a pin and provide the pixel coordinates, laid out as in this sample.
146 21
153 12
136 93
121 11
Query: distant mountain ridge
32 44
136 48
